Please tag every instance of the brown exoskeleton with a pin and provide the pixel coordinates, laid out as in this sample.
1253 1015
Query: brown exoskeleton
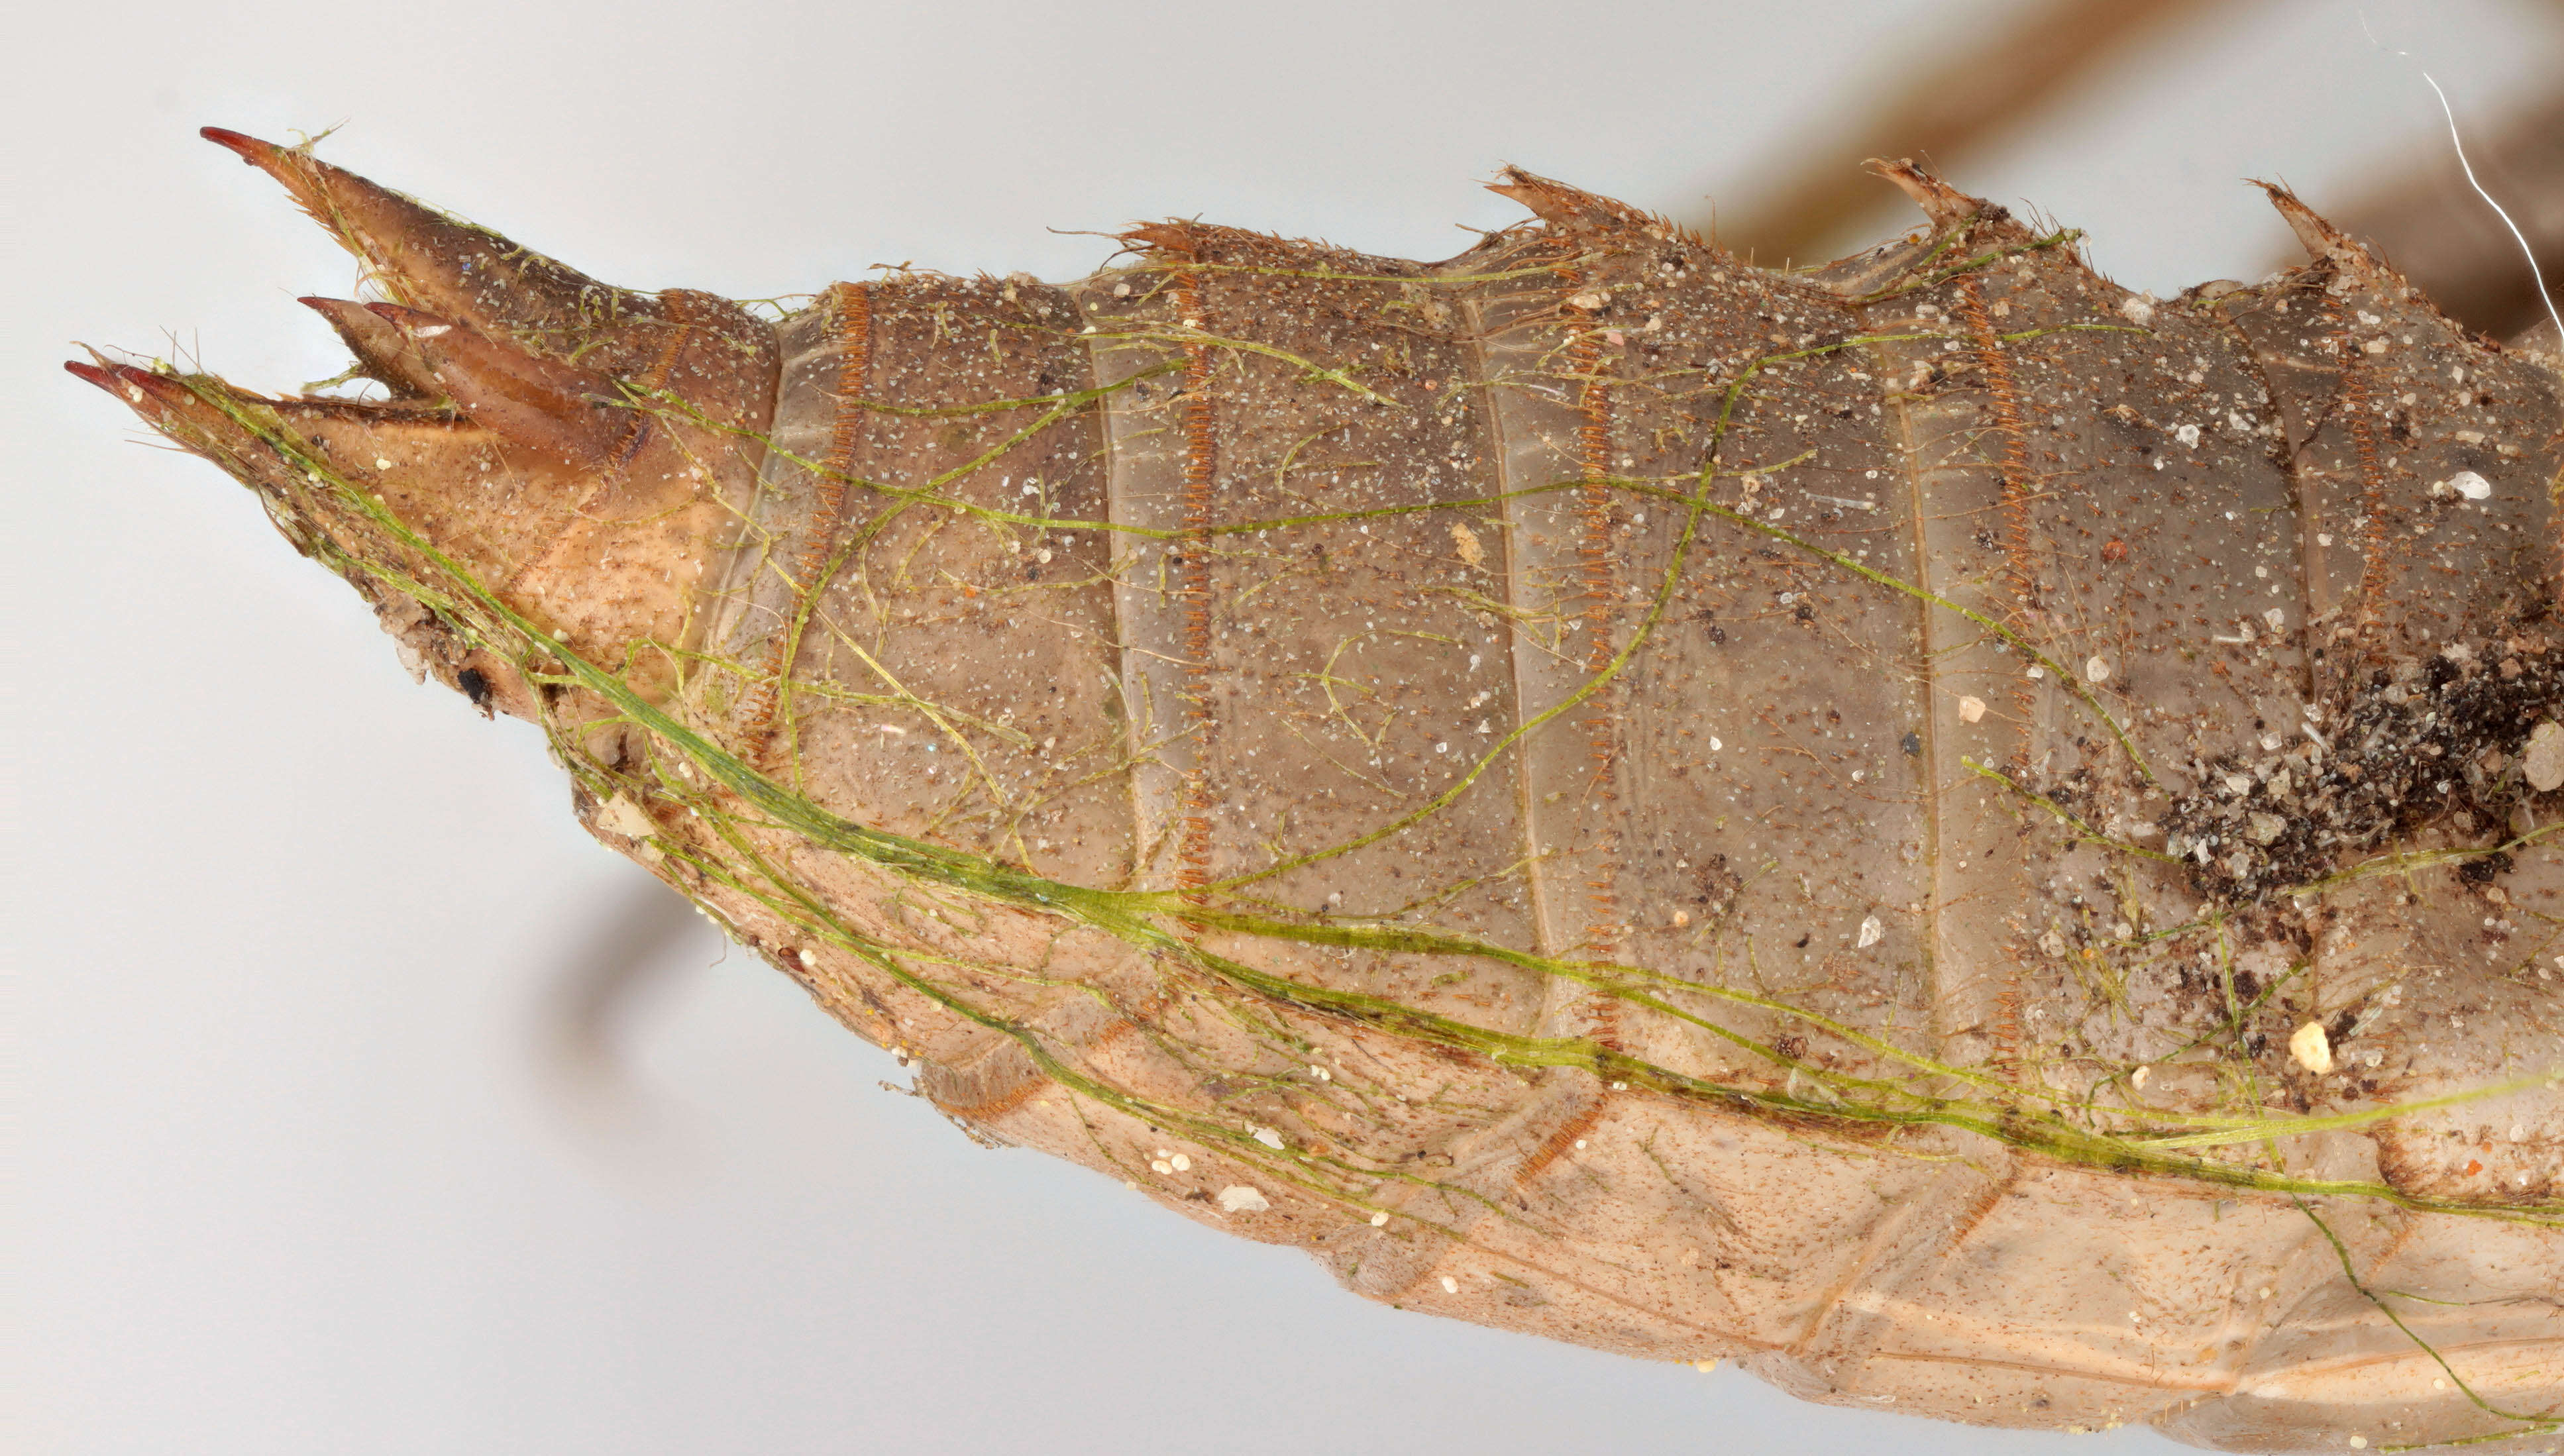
1944 829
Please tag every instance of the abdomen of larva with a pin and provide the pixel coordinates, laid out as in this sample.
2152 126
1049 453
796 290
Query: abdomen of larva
1974 840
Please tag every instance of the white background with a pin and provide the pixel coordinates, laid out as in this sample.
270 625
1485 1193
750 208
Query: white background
299 1162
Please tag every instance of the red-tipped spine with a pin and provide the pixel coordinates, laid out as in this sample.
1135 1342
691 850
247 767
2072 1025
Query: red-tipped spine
252 150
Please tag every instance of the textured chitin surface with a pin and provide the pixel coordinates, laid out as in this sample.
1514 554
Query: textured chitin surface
1919 824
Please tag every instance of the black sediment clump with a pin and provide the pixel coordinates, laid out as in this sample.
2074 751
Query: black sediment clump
2423 742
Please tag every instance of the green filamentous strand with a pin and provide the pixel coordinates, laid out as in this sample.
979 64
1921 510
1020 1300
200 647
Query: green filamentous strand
1117 913
2061 238
1623 982
2030 1133
2422 858
2083 831
815 919
2529 1424
1323 275
931 494
1980 619
2367 1116
1198 338
1584 692
1141 919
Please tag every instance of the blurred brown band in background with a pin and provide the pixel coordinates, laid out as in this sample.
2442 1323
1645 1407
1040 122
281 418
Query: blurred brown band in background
2425 220
2433 228
1951 104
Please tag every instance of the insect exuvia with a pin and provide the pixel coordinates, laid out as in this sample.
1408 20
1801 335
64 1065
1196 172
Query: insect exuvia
1952 833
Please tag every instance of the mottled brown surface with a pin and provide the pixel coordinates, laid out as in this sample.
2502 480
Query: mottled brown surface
1829 741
